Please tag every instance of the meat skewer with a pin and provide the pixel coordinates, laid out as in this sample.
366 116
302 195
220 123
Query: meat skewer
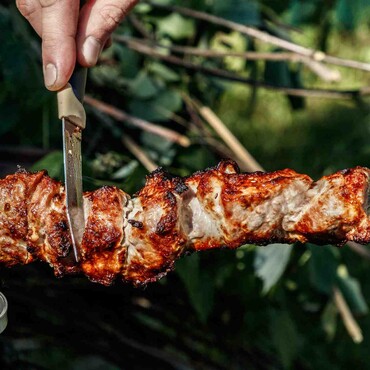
139 238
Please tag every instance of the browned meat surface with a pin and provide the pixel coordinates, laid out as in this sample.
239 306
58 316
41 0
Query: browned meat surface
139 238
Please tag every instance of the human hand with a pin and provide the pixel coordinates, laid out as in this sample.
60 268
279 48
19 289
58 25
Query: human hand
69 34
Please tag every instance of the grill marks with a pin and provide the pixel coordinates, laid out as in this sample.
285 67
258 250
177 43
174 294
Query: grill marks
32 219
153 247
103 254
139 239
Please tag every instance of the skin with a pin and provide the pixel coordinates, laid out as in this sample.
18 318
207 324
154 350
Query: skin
71 34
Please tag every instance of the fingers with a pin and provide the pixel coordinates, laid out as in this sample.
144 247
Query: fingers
59 25
98 19
56 22
32 11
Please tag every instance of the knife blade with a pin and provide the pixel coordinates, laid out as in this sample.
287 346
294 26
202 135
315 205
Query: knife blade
73 116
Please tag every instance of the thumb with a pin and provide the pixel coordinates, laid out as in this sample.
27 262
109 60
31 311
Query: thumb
98 19
59 24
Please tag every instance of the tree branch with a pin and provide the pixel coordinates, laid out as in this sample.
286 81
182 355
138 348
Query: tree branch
245 159
316 55
349 321
215 72
359 249
141 156
122 116
318 68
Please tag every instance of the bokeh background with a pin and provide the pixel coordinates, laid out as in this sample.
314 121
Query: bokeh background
164 94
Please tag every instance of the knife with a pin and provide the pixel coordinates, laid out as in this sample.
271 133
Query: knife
73 116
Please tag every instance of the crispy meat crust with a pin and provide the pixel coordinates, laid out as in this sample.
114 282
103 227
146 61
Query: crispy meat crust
139 239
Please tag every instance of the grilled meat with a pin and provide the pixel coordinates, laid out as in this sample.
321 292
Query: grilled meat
139 238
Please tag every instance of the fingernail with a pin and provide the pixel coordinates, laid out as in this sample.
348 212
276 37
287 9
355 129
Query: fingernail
91 50
50 75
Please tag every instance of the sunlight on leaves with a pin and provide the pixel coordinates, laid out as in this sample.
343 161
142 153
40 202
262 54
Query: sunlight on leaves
270 263
176 27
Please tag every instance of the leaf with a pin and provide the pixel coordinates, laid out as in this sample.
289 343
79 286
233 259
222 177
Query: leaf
323 266
244 12
302 11
129 60
345 14
284 336
329 320
270 263
159 108
296 102
351 289
143 86
125 170
176 26
278 74
106 75
199 285
163 72
162 150
195 157
53 163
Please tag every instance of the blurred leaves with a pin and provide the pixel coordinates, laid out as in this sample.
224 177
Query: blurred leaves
53 163
157 108
143 86
352 293
162 71
329 320
244 12
280 74
349 13
176 27
270 263
198 283
323 267
284 336
302 11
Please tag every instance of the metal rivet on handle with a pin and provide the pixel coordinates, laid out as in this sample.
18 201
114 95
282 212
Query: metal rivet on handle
3 313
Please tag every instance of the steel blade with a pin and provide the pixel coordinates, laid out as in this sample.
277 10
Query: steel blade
73 182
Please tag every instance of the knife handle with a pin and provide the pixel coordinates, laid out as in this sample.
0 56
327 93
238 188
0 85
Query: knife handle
70 107
78 81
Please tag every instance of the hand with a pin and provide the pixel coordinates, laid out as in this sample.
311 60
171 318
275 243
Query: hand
69 34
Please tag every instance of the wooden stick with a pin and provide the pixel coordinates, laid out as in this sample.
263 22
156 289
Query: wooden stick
142 157
122 116
349 321
246 160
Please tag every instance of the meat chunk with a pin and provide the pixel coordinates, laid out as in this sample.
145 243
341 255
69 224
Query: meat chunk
139 238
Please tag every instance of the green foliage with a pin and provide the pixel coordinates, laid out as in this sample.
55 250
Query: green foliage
199 285
53 163
349 13
176 27
270 263
285 337
256 308
323 268
329 319
351 290
239 11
